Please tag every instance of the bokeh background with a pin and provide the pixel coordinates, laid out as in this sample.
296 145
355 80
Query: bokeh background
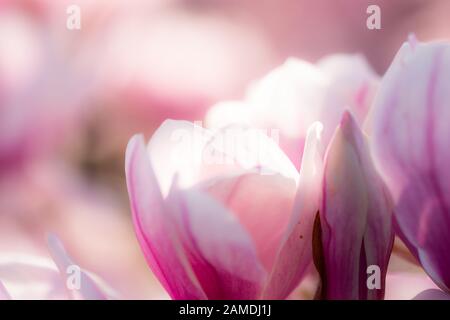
71 99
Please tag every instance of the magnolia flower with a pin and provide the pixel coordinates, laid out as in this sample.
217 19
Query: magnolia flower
411 146
32 277
298 93
355 219
217 220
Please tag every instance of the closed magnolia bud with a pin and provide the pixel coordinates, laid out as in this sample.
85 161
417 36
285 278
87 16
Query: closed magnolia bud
355 230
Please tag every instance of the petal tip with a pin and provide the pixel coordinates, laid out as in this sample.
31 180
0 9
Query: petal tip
316 129
348 124
412 40
135 140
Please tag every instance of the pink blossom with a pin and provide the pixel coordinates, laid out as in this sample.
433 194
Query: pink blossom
231 229
297 93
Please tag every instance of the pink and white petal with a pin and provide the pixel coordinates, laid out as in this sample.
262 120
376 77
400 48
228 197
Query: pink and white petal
305 93
353 85
433 250
248 149
289 97
222 254
176 148
411 147
88 289
398 116
155 229
262 204
31 277
4 295
228 113
196 154
295 252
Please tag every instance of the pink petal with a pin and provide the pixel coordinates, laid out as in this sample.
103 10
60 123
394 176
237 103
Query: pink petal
410 131
263 205
295 253
176 148
4 295
219 249
246 159
252 150
228 113
353 84
196 154
298 93
355 216
31 277
88 290
154 228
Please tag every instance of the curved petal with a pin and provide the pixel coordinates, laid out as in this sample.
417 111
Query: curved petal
290 97
353 84
254 150
196 154
295 252
228 113
410 133
154 228
298 93
31 277
88 289
4 295
262 204
356 217
176 148
219 249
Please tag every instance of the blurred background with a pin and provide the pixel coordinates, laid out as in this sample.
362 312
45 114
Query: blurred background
71 99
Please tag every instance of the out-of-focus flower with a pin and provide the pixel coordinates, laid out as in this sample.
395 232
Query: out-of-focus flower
40 91
221 221
296 94
355 218
32 277
93 222
411 147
